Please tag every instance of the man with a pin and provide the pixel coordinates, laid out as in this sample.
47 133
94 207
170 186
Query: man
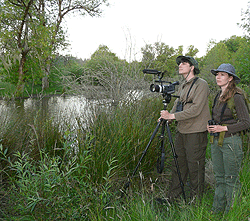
191 111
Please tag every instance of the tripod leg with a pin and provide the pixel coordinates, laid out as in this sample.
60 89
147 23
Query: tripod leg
175 160
143 155
161 158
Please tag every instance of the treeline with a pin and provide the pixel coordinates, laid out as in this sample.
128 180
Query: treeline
105 69
30 37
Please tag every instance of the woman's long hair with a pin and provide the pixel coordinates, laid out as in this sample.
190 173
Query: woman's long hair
230 91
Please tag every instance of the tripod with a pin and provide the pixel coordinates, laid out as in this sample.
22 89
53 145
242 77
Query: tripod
164 123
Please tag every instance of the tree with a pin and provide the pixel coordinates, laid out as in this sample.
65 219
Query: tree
219 53
241 60
246 20
163 57
105 69
104 75
100 59
158 56
58 11
234 50
14 25
34 28
192 51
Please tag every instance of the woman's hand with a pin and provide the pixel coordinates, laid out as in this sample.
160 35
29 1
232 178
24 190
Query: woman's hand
216 128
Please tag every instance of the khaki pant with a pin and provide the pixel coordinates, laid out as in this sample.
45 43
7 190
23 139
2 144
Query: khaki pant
191 151
226 164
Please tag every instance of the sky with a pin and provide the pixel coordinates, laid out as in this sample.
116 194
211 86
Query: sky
128 25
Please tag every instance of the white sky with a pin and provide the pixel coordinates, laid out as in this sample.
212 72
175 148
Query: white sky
128 25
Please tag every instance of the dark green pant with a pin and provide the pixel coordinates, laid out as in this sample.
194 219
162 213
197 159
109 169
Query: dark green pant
191 151
226 164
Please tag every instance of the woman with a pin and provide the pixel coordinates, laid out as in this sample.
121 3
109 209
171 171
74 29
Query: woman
226 147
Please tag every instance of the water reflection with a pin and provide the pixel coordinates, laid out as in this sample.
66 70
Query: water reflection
69 108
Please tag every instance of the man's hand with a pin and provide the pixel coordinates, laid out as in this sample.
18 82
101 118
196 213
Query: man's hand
166 115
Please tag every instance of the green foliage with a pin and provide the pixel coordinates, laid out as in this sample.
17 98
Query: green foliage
80 178
56 187
242 61
66 66
45 189
30 132
37 34
218 52
162 57
192 51
103 63
51 172
245 19
6 89
10 75
123 133
32 69
235 51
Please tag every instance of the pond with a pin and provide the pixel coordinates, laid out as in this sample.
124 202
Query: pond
69 108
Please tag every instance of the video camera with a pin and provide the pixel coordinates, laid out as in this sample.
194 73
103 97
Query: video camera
161 88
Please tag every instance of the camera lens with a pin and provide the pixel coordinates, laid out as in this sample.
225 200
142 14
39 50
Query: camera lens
155 88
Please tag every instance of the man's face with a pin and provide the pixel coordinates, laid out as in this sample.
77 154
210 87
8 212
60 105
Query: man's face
184 68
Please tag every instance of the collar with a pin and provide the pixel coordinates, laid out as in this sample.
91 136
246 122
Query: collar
190 80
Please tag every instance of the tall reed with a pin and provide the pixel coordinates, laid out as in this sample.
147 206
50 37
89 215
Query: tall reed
78 172
122 133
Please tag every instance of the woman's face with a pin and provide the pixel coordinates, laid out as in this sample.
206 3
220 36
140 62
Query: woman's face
223 78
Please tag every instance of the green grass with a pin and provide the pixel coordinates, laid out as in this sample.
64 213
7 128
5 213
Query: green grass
51 172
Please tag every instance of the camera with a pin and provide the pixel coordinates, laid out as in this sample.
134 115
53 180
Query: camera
161 88
212 122
165 89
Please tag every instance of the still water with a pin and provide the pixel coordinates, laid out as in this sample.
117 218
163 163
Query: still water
57 108
69 109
